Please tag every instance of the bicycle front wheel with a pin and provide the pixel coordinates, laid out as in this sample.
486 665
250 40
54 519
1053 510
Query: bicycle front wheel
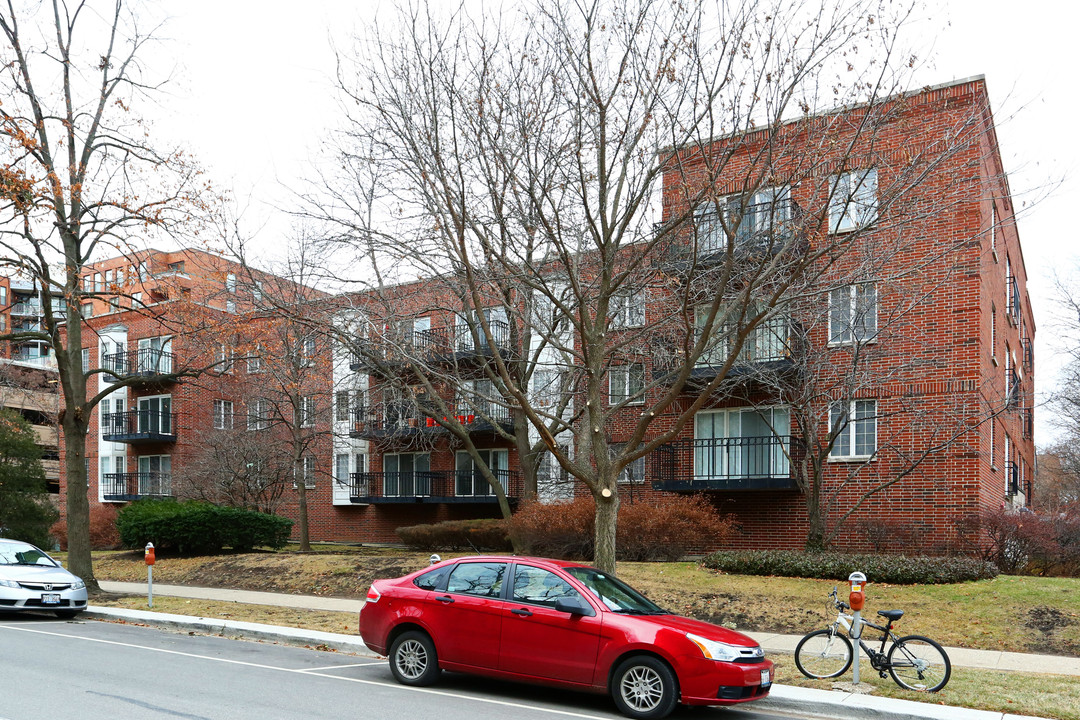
823 654
919 663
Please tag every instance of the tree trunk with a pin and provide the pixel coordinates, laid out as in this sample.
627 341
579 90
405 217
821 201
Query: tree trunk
78 505
301 501
815 534
607 513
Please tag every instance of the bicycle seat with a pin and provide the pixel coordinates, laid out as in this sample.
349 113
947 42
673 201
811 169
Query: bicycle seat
892 615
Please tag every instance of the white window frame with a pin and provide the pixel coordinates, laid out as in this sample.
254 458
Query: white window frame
308 471
846 446
254 361
628 309
853 202
620 389
342 405
223 414
341 468
258 414
858 306
230 282
307 411
308 350
634 472
711 236
225 359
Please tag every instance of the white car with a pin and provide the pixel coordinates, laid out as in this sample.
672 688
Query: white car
31 580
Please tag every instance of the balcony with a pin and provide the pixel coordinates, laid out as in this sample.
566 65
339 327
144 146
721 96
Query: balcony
766 227
1028 422
27 309
1012 308
399 348
434 486
148 365
1028 354
771 348
405 420
139 426
483 345
127 487
1012 478
726 464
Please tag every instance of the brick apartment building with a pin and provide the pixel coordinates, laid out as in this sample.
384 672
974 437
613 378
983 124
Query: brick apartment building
188 334
907 365
908 368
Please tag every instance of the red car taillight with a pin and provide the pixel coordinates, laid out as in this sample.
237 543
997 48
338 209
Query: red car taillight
373 594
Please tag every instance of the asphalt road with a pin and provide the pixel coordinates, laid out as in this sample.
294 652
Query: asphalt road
91 670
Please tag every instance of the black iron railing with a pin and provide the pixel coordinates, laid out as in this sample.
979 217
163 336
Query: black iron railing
404 418
145 362
1012 478
135 485
738 463
139 426
432 486
763 229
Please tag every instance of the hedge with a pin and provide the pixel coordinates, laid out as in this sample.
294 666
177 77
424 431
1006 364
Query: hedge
896 569
197 528
457 535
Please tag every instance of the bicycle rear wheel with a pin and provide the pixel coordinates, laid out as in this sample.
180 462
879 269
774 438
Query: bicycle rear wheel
919 663
823 654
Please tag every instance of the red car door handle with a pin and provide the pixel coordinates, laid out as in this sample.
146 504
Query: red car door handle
522 611
445 599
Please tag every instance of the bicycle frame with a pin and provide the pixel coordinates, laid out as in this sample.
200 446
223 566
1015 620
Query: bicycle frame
878 658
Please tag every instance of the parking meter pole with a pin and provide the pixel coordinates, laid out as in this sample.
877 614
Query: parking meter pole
148 555
856 599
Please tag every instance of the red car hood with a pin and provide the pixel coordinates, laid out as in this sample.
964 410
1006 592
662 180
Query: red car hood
698 627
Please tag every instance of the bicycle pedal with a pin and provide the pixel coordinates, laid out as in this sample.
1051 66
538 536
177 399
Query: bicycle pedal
882 673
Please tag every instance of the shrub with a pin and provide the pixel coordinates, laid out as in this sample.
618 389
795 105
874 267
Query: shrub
103 532
896 569
560 530
669 529
482 534
199 528
646 530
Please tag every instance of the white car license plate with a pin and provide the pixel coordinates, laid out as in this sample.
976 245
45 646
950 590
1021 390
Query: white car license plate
765 677
50 599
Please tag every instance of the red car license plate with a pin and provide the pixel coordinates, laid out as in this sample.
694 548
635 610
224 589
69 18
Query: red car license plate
50 599
765 679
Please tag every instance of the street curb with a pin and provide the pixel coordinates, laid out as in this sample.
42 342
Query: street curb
782 698
835 704
235 629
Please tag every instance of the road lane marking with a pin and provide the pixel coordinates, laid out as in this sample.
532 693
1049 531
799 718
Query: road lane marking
336 667
310 672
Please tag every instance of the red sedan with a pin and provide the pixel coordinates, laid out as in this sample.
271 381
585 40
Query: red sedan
557 623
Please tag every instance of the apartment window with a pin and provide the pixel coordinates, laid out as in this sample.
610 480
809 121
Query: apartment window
254 361
755 220
230 282
99 282
552 479
114 303
258 414
993 334
633 472
85 359
993 439
3 322
136 300
307 412
224 359
341 406
307 471
1012 293
628 309
230 306
88 310
144 271
256 291
853 313
852 200
3 296
341 468
626 384
177 267
856 423
223 414
993 228
407 475
547 387
307 351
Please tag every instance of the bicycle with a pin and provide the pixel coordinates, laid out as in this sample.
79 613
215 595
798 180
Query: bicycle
914 662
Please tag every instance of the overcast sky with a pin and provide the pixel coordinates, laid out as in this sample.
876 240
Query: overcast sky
255 95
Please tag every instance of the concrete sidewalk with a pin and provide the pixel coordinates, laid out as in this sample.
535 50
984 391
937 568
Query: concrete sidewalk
770 642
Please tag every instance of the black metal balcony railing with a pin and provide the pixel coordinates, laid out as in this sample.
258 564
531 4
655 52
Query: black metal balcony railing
1012 478
145 362
135 426
28 309
406 419
1028 350
1028 421
765 228
1012 397
429 346
135 485
1013 298
772 346
738 463
431 486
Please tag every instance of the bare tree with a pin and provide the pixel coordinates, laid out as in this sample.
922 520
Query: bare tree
79 177
235 467
516 163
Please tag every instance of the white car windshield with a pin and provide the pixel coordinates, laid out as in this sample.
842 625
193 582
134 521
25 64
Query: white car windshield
23 554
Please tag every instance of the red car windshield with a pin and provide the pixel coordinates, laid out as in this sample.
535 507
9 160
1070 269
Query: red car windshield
617 595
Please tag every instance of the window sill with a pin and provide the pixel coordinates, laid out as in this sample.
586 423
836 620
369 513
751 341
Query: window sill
994 360
852 343
852 458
